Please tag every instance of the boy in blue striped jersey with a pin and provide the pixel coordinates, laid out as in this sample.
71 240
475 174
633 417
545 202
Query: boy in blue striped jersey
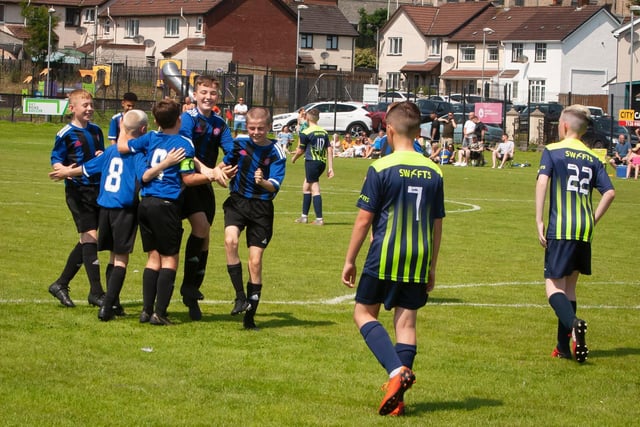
571 171
402 201
261 169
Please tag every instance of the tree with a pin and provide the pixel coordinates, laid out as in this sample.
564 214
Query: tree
369 27
37 27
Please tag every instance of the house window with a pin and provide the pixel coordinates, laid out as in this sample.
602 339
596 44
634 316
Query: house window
395 46
1 13
172 27
541 52
517 52
492 53
328 67
435 46
514 89
393 80
468 52
332 42
306 41
537 90
72 17
89 15
131 28
106 27
199 24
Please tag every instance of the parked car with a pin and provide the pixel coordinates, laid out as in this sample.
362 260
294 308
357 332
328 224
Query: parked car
349 117
550 110
378 113
396 95
492 136
596 111
599 133
428 106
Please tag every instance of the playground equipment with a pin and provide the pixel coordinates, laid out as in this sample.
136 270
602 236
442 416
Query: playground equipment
177 79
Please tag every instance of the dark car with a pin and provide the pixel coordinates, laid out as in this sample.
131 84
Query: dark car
550 110
603 132
428 106
378 113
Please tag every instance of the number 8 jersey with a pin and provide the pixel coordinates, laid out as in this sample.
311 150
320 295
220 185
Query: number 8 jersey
574 171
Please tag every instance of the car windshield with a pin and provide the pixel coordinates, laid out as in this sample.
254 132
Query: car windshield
605 126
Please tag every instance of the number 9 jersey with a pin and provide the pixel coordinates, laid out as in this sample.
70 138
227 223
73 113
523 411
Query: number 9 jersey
574 171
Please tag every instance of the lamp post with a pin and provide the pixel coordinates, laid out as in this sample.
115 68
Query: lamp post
47 89
632 9
485 30
295 90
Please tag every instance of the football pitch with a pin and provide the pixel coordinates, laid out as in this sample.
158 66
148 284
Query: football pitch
485 336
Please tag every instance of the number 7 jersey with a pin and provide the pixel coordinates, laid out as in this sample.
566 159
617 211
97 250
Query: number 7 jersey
574 171
405 192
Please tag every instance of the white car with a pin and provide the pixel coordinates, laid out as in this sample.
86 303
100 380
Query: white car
349 117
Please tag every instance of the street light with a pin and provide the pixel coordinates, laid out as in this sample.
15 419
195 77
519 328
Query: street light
485 30
47 89
634 8
295 90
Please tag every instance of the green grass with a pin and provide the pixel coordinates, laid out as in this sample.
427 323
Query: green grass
484 338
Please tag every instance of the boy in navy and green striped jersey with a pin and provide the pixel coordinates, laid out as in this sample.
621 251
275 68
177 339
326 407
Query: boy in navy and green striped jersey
402 201
571 171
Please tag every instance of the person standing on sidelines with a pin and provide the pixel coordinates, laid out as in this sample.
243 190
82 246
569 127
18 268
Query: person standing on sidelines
209 133
261 168
571 171
240 117
128 103
318 154
77 143
402 202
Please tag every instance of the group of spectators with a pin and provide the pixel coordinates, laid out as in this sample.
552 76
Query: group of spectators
624 155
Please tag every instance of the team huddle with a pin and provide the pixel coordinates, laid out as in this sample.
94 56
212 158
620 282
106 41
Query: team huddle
172 170
401 210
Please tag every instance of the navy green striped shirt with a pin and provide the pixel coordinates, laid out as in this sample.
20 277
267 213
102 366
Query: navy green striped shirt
574 172
314 141
405 192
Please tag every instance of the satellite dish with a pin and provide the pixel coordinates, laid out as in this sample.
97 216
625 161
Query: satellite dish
149 43
138 39
449 59
324 55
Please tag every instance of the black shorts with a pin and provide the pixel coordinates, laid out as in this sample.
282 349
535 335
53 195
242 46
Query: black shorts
118 229
160 225
82 201
254 214
372 290
313 170
199 198
563 257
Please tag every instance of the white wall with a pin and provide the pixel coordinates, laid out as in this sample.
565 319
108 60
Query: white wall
414 46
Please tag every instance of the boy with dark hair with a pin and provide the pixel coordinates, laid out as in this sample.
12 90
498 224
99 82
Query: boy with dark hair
402 191
128 103
318 154
571 171
77 143
261 169
159 210
208 132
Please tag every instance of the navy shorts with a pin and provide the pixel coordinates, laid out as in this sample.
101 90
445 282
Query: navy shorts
82 201
372 290
563 257
199 198
118 228
254 214
313 170
160 225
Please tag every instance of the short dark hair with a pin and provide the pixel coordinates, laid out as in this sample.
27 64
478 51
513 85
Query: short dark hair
130 96
166 112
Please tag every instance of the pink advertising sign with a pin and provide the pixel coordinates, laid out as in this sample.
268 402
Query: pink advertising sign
489 112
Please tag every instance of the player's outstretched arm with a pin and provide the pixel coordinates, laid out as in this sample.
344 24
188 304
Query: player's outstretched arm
62 172
603 206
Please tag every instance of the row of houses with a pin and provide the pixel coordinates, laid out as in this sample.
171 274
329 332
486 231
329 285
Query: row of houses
493 49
